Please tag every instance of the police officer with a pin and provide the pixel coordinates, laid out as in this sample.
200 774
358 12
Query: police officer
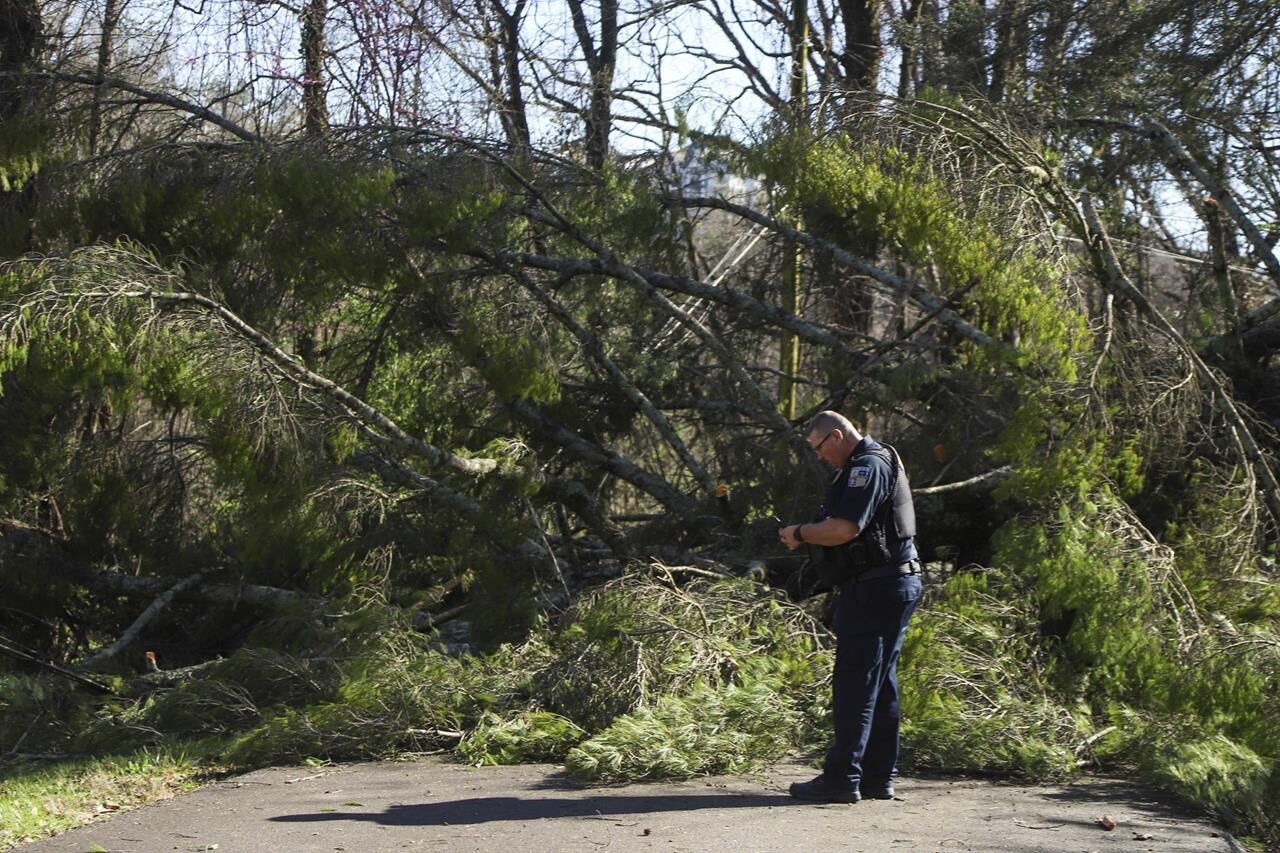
865 531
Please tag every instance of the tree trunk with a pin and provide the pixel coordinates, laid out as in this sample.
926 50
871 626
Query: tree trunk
514 117
863 48
315 111
21 41
963 50
1053 49
793 258
601 60
852 300
909 75
110 18
1008 63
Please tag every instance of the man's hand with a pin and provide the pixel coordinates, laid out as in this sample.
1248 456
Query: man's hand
827 533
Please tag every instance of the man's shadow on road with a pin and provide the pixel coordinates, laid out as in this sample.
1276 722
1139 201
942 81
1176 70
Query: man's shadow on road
489 809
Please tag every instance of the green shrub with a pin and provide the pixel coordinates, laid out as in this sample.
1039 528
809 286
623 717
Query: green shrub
521 737
974 691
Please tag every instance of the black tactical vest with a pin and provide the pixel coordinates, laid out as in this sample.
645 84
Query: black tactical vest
893 521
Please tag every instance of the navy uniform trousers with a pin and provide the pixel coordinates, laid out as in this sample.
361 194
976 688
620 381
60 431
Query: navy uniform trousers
871 618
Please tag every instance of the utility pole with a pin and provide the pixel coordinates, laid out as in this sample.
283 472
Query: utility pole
789 348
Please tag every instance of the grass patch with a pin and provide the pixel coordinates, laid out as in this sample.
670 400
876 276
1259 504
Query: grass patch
38 800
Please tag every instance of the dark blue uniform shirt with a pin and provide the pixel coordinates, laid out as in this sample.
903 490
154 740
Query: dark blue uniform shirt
857 491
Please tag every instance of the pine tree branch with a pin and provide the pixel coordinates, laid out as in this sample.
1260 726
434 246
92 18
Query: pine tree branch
907 287
591 343
382 427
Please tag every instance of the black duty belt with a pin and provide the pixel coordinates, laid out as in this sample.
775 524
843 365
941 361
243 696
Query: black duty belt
911 567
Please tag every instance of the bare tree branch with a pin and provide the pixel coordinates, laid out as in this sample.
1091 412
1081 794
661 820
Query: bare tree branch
147 94
1250 453
980 480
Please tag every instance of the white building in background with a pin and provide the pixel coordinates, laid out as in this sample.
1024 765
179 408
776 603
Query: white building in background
700 174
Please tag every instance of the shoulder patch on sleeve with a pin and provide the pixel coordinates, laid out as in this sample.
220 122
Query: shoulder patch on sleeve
859 476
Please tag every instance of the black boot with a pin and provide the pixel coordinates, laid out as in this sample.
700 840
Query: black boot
877 790
825 789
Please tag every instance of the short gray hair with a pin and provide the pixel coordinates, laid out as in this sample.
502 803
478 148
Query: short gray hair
824 422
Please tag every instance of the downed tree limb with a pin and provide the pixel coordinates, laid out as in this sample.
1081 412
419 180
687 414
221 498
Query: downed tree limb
161 679
572 495
113 582
814 333
391 472
21 542
593 346
616 266
982 479
662 491
104 656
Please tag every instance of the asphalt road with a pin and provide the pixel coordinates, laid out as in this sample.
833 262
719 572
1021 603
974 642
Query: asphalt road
432 805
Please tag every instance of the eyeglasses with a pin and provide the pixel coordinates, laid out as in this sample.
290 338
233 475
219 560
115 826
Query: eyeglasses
817 448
